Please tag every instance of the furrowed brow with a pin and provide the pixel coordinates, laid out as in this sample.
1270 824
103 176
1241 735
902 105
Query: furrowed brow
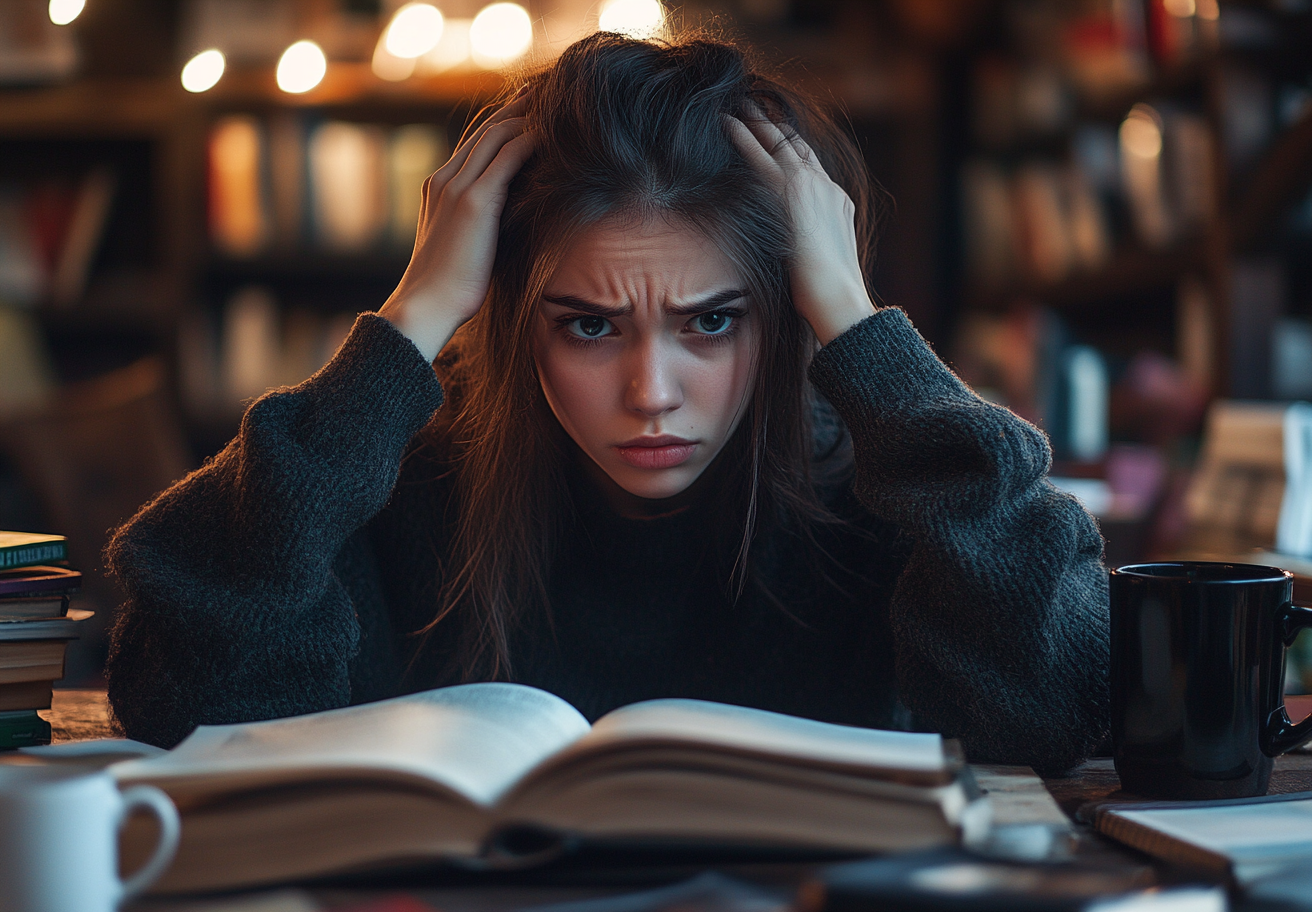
588 307
713 302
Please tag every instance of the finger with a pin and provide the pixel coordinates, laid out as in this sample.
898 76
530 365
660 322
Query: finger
773 136
516 108
513 108
485 150
508 160
751 147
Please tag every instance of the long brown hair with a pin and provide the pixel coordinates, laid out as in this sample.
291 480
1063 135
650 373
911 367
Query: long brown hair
627 129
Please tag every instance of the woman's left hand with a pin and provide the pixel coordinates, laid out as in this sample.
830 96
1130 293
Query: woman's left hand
829 290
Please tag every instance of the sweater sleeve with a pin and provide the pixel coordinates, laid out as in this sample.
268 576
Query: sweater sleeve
236 578
1000 615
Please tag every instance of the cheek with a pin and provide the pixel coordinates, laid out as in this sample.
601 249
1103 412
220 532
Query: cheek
735 379
573 386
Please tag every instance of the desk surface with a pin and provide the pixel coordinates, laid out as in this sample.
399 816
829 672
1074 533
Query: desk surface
1019 798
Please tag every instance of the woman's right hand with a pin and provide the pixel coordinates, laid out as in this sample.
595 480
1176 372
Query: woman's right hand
456 241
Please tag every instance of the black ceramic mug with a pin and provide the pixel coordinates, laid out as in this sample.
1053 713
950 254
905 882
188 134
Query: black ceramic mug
1198 669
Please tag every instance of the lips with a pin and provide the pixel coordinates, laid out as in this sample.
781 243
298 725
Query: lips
663 452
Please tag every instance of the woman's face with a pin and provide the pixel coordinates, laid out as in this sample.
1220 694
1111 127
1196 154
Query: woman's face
645 345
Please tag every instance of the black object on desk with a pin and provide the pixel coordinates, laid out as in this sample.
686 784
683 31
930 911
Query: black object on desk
955 880
1197 677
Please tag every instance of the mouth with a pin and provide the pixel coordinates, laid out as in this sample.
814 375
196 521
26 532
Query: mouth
663 452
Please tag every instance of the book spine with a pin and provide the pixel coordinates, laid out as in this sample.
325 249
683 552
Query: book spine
27 555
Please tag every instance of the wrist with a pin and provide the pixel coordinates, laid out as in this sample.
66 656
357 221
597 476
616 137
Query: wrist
839 313
428 335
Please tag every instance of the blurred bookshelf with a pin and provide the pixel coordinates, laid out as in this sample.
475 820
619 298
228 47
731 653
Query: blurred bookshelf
1135 228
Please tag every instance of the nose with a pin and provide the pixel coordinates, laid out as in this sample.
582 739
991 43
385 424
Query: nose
652 385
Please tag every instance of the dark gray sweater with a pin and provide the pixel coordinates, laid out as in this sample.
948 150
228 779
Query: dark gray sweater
287 574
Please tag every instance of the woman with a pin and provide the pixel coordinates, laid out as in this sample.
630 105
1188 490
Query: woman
632 491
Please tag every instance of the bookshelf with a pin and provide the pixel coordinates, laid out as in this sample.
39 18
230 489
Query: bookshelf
156 265
1207 296
1243 188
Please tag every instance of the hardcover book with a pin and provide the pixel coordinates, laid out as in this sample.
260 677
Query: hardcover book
23 549
452 774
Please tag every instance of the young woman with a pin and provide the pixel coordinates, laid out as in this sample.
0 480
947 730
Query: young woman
676 450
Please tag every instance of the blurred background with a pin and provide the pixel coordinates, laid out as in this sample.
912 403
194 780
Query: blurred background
1099 214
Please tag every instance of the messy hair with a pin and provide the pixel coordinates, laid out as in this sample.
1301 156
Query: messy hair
628 130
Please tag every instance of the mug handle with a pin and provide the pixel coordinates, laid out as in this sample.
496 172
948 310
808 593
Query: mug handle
149 798
1281 733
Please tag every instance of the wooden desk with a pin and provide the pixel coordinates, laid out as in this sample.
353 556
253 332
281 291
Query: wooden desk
1019 798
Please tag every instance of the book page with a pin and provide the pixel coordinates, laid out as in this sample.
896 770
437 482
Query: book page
757 731
475 739
1241 832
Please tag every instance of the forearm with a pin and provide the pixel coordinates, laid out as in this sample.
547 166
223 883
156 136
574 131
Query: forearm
1000 615
233 599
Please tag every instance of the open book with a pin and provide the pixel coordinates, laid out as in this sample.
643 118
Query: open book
446 774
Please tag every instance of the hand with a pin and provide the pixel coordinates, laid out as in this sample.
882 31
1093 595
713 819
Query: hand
456 241
828 288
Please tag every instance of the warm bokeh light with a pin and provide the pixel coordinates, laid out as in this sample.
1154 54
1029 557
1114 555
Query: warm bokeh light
500 33
1141 132
635 18
301 67
62 12
1180 9
1209 10
388 66
203 71
415 29
451 51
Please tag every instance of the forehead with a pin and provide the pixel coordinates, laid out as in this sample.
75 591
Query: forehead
623 260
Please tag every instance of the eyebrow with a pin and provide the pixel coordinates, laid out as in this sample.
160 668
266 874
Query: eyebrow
711 302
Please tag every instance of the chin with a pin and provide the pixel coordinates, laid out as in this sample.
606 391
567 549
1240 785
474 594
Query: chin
656 485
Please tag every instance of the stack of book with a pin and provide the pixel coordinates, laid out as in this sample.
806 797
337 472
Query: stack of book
36 625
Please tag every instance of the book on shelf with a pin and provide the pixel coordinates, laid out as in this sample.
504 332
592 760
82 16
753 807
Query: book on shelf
238 218
1242 839
290 182
460 774
24 549
348 180
82 240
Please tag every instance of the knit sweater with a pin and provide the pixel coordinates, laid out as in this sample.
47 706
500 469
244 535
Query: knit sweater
965 593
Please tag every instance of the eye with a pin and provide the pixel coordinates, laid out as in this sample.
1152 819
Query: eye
712 323
590 327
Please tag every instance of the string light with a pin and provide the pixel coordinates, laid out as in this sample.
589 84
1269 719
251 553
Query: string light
388 66
635 18
500 33
62 12
301 67
415 29
451 51
203 71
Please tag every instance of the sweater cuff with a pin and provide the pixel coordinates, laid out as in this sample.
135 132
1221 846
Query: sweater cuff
386 371
880 362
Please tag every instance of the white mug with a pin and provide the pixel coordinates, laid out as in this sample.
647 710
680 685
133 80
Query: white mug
59 839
